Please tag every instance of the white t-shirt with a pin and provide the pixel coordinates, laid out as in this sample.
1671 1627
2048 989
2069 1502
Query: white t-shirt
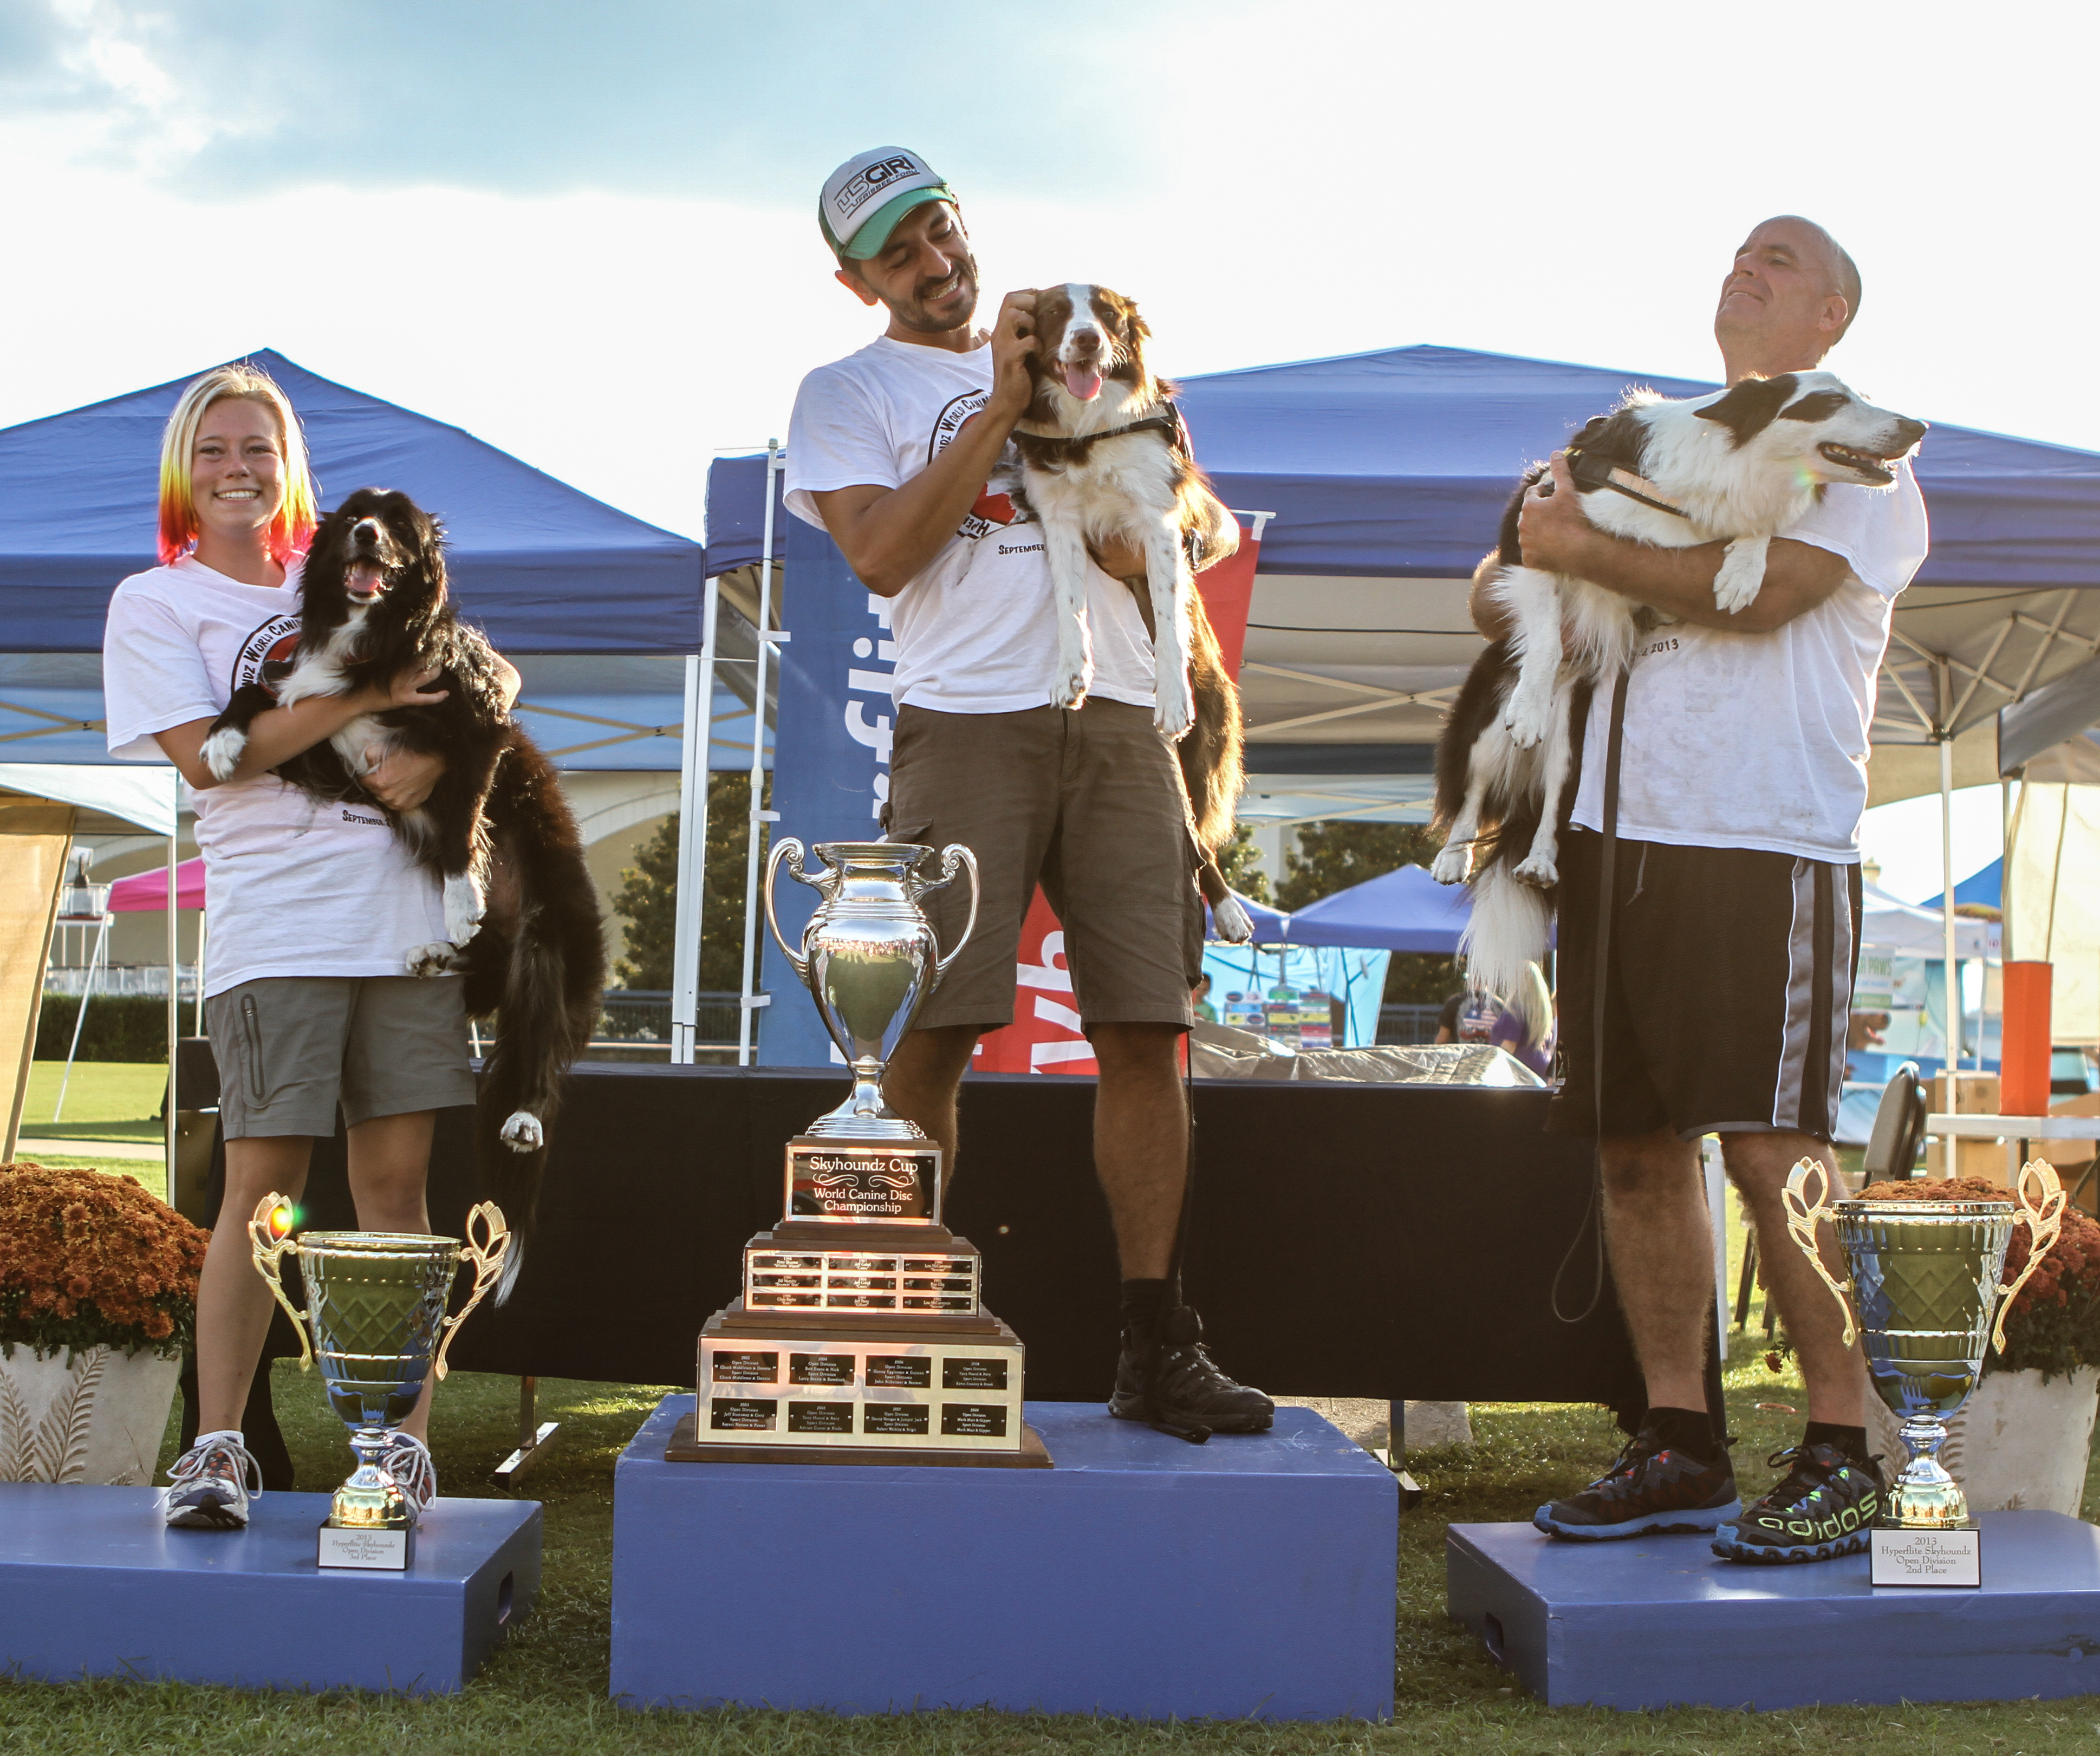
975 631
1760 740
292 887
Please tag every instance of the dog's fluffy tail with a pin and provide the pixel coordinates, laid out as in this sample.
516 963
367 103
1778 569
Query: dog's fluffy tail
546 977
1510 930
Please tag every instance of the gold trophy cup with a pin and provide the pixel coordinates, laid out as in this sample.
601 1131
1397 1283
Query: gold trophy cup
376 1307
1924 1278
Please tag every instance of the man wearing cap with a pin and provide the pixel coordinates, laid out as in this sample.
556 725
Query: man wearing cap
895 451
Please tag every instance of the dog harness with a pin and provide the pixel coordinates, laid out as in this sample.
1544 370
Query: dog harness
1599 472
1071 447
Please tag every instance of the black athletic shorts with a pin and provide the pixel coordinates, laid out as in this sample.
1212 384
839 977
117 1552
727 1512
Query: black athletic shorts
1729 991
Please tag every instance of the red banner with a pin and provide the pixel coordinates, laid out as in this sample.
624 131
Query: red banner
1045 1035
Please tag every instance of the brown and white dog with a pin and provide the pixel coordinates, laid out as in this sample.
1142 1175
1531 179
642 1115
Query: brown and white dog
1103 455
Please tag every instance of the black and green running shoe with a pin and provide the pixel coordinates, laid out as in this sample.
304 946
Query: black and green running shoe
1822 1507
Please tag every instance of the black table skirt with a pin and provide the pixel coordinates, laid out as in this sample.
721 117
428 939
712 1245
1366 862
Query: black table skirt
1366 1240
1361 1240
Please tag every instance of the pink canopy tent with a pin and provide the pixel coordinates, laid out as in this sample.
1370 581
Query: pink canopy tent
148 892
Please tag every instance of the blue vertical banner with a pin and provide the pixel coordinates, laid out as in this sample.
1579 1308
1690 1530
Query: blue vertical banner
830 757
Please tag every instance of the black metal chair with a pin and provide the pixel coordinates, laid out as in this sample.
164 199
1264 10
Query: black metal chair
1898 1128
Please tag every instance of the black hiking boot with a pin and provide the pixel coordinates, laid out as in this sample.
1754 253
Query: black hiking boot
1169 1378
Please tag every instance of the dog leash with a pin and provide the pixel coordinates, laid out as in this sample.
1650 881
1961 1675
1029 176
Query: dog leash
1595 472
1608 860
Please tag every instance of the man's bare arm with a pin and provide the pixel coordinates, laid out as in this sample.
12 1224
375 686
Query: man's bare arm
1556 537
889 534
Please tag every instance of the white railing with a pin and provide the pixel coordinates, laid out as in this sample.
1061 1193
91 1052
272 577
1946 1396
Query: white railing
120 978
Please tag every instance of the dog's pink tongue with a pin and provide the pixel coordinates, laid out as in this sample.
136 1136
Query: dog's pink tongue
1083 382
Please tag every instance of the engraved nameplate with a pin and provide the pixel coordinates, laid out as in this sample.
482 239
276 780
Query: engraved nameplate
367 1551
742 1414
888 1185
746 1368
1928 1557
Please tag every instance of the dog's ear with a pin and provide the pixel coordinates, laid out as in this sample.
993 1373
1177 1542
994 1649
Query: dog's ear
1751 406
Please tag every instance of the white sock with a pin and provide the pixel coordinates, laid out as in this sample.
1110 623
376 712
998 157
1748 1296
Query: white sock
224 1432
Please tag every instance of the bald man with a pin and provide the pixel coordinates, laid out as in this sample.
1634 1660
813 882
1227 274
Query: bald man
1734 921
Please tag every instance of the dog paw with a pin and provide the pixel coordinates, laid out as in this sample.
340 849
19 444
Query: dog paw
1526 720
464 908
439 959
1451 863
1174 710
1231 921
521 1133
222 752
1731 595
1538 870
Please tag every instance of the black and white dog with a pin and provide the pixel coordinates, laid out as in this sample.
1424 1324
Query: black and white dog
1103 454
521 919
1739 465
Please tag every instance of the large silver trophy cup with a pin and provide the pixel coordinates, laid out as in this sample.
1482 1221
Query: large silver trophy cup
869 959
860 1337
1924 1284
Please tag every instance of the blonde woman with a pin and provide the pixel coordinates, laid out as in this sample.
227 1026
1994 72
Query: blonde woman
306 1006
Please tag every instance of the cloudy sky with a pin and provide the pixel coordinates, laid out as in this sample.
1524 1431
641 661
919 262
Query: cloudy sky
586 233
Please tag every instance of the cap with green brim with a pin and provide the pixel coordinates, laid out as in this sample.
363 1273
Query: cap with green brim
865 198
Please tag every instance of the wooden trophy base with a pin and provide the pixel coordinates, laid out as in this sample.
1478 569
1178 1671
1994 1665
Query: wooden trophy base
685 1449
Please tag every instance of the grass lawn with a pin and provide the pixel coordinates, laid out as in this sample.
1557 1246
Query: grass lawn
544 1690
104 1100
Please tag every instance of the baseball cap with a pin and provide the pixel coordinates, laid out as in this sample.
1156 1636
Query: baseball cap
866 196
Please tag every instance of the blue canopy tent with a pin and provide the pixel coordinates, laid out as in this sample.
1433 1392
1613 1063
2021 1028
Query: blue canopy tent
1403 911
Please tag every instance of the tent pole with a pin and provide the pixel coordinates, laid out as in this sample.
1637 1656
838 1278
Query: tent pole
1947 918
175 1010
80 1017
750 1000
693 777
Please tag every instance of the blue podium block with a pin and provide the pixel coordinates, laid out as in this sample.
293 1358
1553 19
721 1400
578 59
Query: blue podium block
1662 1621
92 1583
1251 1577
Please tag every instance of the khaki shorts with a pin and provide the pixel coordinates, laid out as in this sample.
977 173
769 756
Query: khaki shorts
290 1047
1088 803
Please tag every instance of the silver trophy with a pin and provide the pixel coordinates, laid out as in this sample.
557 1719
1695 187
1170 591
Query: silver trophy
861 1336
869 957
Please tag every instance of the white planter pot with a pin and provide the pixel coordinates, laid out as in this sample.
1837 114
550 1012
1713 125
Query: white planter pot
95 1417
2016 1444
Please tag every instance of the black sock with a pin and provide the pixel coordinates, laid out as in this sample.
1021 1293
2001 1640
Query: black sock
1144 1303
1851 1441
1687 1430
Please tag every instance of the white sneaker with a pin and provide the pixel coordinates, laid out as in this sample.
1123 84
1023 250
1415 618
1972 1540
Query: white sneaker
407 1460
213 1481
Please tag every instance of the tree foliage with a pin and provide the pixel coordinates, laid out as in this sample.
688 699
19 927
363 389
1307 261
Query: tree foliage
647 898
1335 854
1236 862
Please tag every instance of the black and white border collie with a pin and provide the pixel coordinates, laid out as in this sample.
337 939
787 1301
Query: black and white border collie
521 919
1103 454
1739 465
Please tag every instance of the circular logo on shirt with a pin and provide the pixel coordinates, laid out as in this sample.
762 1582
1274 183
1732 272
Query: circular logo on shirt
266 656
995 509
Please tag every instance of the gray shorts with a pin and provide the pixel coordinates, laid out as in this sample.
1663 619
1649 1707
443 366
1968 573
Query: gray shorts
1086 801
290 1047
